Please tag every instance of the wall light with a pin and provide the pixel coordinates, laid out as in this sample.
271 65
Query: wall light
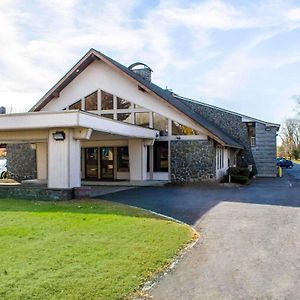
59 135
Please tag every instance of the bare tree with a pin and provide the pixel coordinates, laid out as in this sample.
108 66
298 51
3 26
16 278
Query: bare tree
290 136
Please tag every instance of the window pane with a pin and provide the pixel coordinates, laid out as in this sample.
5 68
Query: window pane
76 105
160 123
160 156
109 116
142 119
179 129
107 101
123 159
122 104
91 102
125 117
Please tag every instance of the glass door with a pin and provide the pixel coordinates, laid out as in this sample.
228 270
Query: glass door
91 163
107 162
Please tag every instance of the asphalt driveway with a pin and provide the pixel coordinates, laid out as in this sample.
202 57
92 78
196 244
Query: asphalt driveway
249 245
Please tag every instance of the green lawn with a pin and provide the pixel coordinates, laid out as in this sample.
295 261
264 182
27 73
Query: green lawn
81 249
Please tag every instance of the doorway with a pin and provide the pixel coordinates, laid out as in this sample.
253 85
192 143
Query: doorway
107 163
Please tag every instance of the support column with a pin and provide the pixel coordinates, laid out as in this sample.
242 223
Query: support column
137 159
63 160
41 160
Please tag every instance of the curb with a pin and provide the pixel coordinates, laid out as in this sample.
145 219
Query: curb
157 277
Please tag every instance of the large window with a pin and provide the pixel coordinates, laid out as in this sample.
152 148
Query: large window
160 123
142 119
76 105
160 156
91 102
179 129
220 157
125 117
123 159
107 101
123 104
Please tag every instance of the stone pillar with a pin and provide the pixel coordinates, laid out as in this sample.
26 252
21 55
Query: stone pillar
137 159
42 160
63 160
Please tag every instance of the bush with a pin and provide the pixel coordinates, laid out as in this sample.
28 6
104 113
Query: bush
239 175
239 171
239 179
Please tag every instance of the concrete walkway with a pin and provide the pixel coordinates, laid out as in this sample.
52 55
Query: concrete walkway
249 244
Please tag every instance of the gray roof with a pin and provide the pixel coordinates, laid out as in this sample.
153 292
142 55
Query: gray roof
93 54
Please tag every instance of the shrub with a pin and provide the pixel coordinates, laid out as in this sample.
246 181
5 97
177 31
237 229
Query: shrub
239 175
239 179
238 171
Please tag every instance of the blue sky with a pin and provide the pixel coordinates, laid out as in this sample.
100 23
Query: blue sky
240 55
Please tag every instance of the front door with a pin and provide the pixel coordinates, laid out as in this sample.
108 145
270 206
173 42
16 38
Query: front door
91 163
107 162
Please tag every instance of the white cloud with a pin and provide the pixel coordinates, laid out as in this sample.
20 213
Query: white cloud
43 41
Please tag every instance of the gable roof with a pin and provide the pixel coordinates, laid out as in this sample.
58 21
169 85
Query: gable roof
245 118
166 95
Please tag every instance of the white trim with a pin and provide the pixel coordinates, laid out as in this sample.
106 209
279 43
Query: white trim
71 119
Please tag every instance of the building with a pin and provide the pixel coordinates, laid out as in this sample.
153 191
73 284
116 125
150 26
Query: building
105 121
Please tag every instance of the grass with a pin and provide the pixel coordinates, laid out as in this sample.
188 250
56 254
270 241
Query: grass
81 249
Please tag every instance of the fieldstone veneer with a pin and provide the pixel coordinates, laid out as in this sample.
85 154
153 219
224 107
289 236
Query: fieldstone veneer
229 123
21 162
192 160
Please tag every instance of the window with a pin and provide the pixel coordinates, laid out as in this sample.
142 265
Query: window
91 102
220 157
76 105
123 159
252 134
179 129
125 117
142 119
160 123
107 101
160 156
109 116
123 104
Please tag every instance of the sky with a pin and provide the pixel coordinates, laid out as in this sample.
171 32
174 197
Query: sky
239 55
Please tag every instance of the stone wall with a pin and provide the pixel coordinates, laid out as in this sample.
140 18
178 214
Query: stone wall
193 160
229 123
21 161
35 193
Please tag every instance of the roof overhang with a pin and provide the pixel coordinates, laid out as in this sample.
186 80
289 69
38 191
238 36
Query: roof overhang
41 121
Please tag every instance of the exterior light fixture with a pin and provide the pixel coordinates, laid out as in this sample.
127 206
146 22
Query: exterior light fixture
59 135
267 129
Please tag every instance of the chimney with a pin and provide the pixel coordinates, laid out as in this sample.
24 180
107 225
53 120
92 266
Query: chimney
142 70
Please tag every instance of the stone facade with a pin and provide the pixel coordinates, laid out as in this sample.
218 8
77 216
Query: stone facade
21 162
192 160
229 123
35 193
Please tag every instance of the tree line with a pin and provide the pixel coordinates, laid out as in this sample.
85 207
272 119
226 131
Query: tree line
290 135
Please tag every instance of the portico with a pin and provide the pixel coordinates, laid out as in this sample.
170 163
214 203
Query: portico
60 137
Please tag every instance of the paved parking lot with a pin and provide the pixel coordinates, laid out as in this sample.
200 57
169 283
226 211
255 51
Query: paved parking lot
249 245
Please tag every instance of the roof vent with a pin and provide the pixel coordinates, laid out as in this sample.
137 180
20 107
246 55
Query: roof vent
142 70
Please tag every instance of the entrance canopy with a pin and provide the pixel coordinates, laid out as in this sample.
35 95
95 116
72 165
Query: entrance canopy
34 126
58 137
